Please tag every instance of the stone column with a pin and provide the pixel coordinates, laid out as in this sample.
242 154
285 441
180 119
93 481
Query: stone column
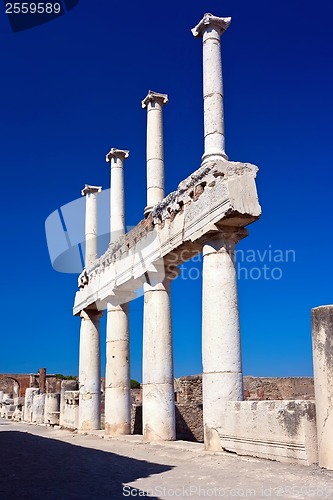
42 380
91 228
322 343
117 377
221 347
90 371
210 28
89 358
116 158
158 401
154 103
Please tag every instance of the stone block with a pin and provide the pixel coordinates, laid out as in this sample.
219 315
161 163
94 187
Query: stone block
70 419
29 396
276 430
38 408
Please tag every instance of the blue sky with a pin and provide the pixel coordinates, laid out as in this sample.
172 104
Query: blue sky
71 89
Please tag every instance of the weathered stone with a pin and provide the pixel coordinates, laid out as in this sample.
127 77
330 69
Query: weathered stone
38 408
29 397
322 344
221 349
210 29
89 357
276 430
90 371
155 148
42 380
70 418
232 200
66 385
52 409
117 377
158 401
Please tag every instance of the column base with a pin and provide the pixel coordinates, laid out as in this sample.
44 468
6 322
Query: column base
158 412
89 412
117 429
209 157
217 389
117 411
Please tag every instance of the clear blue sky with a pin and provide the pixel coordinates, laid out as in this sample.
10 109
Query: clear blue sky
72 88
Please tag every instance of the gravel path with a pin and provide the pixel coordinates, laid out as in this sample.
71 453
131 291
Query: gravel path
40 463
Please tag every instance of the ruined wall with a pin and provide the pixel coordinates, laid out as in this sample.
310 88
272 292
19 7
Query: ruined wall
267 388
26 380
188 390
7 383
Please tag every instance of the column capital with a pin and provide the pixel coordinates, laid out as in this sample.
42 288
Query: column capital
91 314
117 153
154 96
226 237
209 20
91 189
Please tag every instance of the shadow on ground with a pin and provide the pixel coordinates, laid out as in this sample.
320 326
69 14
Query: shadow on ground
34 468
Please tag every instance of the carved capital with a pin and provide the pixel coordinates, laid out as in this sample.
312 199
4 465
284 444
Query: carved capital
226 238
154 97
91 189
208 20
91 314
117 153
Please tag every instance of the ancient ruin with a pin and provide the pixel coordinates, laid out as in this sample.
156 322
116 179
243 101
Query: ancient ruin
209 213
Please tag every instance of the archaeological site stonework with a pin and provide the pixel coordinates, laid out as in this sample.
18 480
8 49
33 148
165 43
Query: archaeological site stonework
290 420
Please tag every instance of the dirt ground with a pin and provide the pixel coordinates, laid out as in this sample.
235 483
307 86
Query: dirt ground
40 463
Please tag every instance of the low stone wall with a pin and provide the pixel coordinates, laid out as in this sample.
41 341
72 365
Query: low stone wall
275 430
70 419
188 390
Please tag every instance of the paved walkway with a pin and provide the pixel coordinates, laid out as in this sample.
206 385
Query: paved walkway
40 463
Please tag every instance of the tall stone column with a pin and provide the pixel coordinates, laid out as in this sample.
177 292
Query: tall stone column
90 371
117 377
91 227
154 103
210 28
89 357
158 401
322 343
116 159
221 347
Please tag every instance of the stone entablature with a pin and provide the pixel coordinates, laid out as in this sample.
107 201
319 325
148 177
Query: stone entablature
222 193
